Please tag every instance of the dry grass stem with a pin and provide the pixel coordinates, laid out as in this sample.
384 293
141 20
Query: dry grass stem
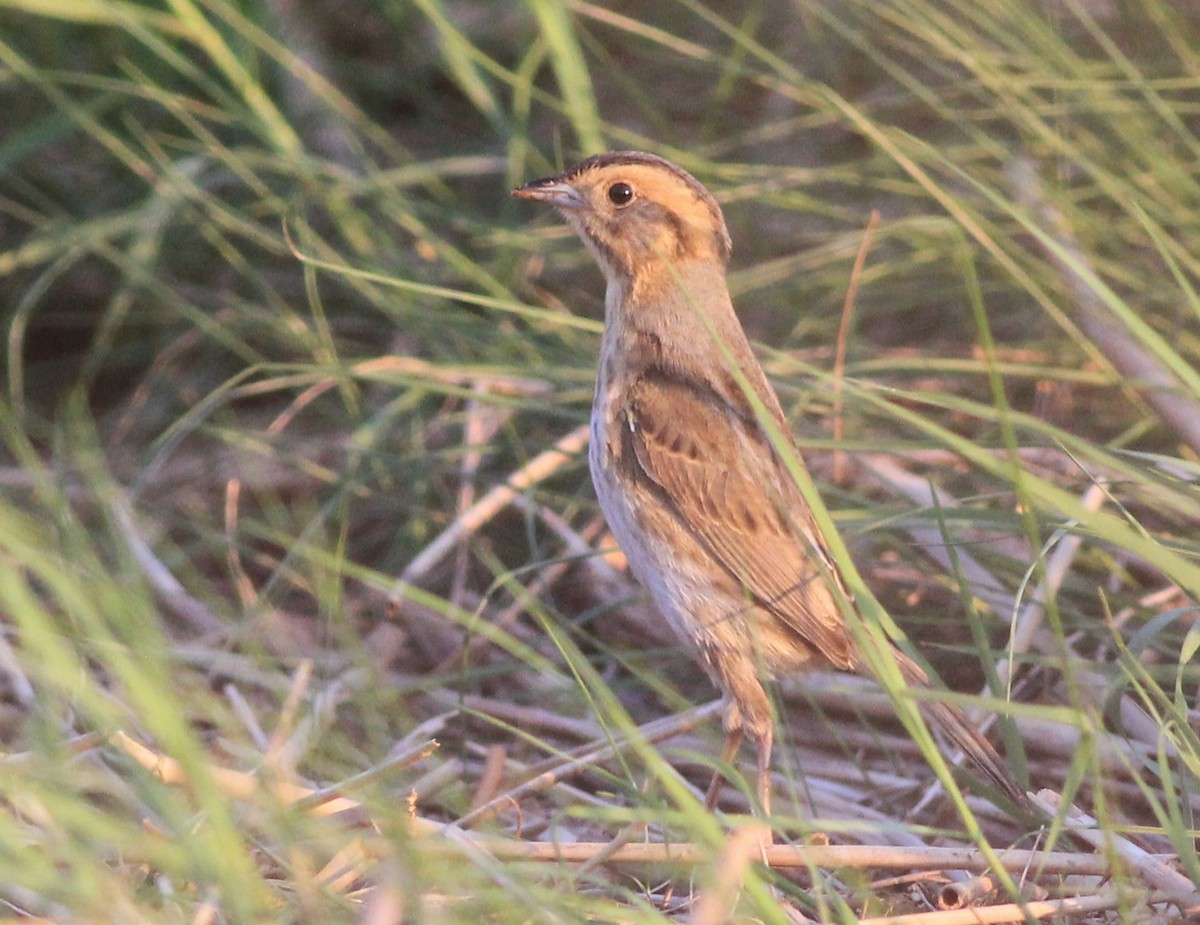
966 892
236 784
624 837
590 756
1151 870
348 866
76 745
542 466
920 493
493 773
1138 366
394 370
1027 626
318 800
529 718
1027 631
863 857
168 588
245 713
1011 912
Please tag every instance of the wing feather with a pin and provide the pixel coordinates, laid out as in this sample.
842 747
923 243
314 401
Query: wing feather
713 467
717 472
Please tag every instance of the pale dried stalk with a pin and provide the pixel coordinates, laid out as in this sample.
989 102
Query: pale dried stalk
1056 460
1009 912
525 718
164 583
1152 380
606 582
1027 624
919 492
495 759
406 367
483 421
650 733
540 467
876 857
245 713
404 758
569 794
1062 741
967 892
620 840
348 865
242 786
438 778
1153 871
286 723
75 746
546 577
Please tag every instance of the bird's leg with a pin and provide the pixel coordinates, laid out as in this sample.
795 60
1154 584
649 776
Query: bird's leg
764 790
764 772
733 741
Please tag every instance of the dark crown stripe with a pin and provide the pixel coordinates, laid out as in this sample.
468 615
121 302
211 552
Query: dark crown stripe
642 159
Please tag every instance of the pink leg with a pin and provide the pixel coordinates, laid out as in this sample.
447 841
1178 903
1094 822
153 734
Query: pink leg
733 741
764 772
764 789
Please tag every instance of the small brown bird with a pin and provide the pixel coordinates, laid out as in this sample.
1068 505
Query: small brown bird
695 493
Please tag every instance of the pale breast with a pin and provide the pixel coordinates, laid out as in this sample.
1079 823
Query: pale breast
662 556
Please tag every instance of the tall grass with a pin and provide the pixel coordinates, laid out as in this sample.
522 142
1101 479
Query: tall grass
274 327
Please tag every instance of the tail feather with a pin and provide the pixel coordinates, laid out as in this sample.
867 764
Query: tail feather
958 729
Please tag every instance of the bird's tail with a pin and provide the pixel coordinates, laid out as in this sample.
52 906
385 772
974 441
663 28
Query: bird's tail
958 729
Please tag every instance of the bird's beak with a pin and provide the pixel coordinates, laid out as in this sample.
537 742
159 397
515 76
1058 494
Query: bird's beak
553 191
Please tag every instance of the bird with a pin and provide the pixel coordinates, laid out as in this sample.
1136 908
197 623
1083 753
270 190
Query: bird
684 456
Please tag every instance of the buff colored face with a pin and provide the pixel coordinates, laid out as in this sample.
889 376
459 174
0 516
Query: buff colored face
632 208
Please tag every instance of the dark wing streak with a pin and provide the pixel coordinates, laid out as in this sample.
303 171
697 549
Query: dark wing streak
743 511
675 432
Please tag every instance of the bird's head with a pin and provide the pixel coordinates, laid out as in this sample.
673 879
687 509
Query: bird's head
637 213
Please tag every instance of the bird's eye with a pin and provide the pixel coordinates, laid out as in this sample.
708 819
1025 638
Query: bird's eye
620 194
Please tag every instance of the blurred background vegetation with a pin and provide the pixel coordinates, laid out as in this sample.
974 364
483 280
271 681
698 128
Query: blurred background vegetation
277 340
